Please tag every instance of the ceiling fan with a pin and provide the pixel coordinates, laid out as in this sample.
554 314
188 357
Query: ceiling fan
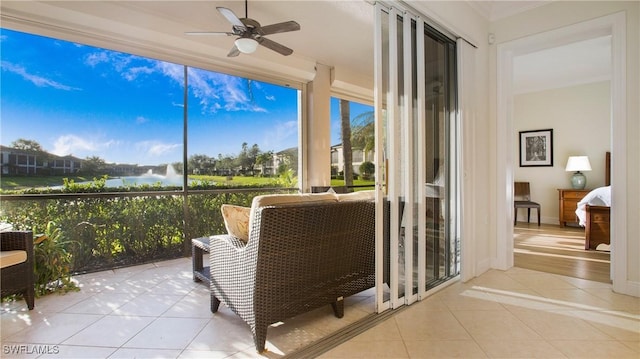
251 34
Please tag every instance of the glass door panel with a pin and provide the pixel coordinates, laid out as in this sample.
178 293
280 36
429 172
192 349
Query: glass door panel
415 99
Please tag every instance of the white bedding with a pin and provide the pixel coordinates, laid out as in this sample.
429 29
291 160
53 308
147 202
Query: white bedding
598 197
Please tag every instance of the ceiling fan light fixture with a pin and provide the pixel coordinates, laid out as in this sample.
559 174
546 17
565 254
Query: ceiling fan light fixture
246 45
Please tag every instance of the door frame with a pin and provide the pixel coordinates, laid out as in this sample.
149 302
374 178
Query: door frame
615 26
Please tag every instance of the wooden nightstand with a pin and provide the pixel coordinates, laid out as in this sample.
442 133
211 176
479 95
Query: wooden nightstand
568 202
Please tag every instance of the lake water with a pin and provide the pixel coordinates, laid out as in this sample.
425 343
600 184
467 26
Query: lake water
149 178
144 179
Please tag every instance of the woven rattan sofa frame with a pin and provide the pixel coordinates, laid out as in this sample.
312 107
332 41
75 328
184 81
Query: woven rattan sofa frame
18 278
298 258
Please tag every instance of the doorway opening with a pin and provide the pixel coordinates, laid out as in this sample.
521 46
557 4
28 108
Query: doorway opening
613 25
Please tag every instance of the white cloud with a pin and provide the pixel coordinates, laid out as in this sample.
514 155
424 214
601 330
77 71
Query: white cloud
110 144
132 73
82 146
219 91
172 71
214 91
157 148
141 119
35 79
72 144
282 133
96 58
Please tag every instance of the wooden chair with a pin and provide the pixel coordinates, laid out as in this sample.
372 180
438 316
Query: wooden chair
522 199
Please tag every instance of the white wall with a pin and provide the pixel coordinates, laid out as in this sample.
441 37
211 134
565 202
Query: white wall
580 117
478 131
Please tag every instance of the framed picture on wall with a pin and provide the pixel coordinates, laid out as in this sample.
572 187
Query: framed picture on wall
536 148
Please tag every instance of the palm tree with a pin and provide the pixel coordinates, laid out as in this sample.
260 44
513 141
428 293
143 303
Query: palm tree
345 119
363 132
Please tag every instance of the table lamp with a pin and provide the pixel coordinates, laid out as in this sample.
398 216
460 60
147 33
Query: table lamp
577 164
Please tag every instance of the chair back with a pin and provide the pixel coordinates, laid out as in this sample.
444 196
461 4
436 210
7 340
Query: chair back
521 191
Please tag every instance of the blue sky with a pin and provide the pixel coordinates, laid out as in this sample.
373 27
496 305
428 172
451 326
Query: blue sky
85 101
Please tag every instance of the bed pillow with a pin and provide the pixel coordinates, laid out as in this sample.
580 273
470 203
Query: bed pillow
236 220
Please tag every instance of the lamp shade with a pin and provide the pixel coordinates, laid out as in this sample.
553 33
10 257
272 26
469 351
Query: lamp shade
578 163
246 45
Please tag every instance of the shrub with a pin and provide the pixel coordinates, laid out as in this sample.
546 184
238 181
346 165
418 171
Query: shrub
52 262
367 169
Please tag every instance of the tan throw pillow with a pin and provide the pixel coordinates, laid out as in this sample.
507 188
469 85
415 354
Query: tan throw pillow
236 219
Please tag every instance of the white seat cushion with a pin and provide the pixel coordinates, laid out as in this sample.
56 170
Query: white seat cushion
9 258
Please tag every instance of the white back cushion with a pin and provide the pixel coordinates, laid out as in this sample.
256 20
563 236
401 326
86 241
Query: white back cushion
357 196
294 198
287 199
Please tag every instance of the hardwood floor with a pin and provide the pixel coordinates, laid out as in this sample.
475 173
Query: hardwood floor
552 249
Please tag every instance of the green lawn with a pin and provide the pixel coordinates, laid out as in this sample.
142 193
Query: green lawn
358 182
8 183
236 180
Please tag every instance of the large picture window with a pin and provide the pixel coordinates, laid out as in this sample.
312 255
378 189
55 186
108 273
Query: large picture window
71 110
355 120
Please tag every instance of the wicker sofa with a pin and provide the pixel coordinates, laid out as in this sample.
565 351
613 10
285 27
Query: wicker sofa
304 251
16 265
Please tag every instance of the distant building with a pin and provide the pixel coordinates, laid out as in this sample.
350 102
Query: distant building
126 169
64 165
15 161
287 157
358 157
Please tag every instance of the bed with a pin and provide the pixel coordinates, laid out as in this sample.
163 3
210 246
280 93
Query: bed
594 211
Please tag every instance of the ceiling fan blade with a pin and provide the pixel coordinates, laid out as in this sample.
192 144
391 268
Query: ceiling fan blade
280 27
231 17
209 33
234 52
281 49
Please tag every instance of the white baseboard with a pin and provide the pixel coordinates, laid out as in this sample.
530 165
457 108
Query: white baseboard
627 287
483 266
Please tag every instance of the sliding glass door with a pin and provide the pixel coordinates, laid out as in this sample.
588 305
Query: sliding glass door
417 129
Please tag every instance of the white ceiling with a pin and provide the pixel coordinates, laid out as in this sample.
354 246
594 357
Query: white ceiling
333 33
570 65
496 10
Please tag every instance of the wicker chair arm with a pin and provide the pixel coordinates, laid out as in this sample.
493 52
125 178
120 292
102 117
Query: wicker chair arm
16 240
227 241
227 252
232 266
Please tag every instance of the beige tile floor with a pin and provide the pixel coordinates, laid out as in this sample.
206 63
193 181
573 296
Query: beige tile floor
157 311
518 313
153 311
